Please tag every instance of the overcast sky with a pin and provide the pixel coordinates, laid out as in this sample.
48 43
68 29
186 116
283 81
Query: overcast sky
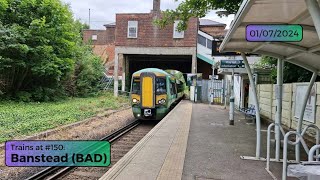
103 11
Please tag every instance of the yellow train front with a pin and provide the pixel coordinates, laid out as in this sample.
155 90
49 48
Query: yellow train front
154 92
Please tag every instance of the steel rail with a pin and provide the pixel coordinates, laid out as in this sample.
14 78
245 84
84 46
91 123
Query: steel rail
49 172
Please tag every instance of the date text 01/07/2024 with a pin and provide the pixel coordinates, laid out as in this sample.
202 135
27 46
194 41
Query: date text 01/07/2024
274 32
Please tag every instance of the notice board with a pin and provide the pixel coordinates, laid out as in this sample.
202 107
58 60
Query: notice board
310 111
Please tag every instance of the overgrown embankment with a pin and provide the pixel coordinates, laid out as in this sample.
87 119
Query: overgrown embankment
22 119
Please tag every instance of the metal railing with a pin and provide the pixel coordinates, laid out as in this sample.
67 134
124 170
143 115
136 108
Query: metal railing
268 142
314 149
304 144
311 153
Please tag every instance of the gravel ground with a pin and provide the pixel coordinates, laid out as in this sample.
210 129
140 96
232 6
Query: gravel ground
95 129
118 149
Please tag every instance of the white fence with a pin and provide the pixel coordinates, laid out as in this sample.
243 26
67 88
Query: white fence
292 96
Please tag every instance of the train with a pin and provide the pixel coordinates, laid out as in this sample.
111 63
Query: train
154 92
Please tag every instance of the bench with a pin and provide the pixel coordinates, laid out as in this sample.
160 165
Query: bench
249 112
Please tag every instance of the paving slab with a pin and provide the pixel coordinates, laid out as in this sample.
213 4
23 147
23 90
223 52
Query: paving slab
161 153
196 142
214 147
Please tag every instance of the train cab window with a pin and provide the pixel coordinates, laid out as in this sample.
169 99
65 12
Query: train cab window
161 87
136 86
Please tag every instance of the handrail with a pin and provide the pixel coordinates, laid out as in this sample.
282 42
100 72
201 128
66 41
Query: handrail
317 136
285 149
311 153
268 142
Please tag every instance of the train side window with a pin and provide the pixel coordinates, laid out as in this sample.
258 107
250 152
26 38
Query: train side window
180 87
136 86
173 88
161 86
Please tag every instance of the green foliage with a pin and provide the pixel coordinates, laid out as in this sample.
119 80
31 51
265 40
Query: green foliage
88 73
196 8
291 73
24 96
20 119
40 46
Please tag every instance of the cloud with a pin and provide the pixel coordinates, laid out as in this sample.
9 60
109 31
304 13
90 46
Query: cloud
103 11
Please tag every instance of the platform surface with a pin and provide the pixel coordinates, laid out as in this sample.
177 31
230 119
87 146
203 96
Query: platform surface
161 153
214 147
196 142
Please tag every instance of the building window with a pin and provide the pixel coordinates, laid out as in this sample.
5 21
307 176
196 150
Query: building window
176 33
94 37
132 29
202 40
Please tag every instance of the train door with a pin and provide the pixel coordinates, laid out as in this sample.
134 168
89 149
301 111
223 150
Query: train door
147 91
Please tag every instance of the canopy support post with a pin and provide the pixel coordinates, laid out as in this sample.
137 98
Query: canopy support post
279 90
314 11
254 92
115 76
305 100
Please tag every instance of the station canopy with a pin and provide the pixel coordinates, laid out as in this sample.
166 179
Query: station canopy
305 53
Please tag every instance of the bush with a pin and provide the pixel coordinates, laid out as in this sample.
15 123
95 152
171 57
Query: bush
23 96
86 78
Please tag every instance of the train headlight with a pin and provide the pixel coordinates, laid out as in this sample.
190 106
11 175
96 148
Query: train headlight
162 101
135 100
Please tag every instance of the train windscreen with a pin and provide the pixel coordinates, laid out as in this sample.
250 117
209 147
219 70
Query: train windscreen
136 86
161 87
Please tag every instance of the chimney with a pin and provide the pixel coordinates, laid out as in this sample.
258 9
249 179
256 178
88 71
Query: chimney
156 6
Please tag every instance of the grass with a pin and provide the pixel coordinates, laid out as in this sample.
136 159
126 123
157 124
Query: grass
19 119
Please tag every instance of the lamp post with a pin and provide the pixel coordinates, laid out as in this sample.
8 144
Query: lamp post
231 110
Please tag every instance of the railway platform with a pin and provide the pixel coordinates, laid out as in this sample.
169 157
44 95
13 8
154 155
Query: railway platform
195 142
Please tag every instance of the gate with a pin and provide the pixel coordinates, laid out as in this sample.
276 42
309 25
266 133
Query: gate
217 92
212 89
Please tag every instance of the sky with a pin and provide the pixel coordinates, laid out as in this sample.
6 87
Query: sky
103 11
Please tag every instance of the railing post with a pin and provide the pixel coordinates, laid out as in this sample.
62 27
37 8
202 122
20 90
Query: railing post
268 145
285 150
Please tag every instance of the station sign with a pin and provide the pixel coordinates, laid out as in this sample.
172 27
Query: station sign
232 64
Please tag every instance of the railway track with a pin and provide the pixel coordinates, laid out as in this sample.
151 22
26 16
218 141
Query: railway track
121 142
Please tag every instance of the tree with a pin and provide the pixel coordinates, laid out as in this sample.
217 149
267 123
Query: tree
40 44
291 73
196 8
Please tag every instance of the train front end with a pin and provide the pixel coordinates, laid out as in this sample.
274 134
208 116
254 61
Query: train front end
149 95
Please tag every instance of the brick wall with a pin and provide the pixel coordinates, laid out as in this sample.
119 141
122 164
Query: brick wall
106 52
103 36
213 30
150 35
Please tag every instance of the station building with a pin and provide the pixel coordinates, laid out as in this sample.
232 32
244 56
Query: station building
134 42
